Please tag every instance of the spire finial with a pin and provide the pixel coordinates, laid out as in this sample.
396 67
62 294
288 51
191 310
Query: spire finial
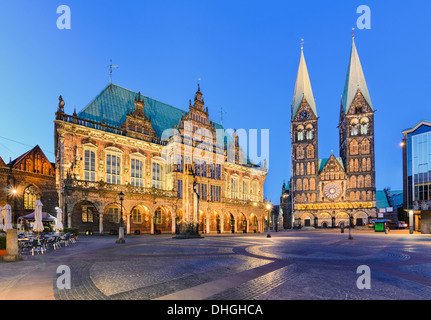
302 44
353 33
110 69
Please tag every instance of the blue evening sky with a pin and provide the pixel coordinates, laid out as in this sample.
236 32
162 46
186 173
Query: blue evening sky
245 52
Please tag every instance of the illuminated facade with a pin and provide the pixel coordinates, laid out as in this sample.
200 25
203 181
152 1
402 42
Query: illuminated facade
334 191
161 158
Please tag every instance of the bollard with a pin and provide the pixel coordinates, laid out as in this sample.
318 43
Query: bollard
350 234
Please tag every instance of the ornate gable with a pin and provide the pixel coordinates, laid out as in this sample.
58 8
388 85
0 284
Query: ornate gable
2 164
305 112
332 165
137 123
359 104
34 161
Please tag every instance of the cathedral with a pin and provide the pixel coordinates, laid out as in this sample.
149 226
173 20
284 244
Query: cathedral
334 191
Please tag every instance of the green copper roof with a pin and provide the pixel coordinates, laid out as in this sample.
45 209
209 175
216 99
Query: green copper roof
381 199
114 102
302 88
355 81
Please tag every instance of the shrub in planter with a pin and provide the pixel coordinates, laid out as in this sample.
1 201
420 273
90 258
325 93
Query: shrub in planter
2 242
75 231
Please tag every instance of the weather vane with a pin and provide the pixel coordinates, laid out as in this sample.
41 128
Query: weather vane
110 70
302 44
221 115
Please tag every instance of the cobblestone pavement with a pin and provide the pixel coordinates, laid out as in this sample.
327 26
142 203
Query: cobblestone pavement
300 265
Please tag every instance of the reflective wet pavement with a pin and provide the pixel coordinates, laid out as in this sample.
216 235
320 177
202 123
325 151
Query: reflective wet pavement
300 265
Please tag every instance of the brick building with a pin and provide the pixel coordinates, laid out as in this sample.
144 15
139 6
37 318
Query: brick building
25 179
162 158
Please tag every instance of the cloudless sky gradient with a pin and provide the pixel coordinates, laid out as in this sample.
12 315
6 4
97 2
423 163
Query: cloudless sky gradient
245 52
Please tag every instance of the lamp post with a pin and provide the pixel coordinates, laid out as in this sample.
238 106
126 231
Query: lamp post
350 226
196 200
268 207
411 221
121 229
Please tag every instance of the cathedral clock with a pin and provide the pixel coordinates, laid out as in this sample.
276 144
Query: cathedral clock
304 115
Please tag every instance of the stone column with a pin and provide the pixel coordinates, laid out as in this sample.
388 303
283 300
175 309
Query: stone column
101 224
152 223
235 225
128 223
208 223
173 224
69 219
221 224
12 253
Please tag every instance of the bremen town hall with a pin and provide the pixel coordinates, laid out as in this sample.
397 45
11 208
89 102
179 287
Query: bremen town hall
170 166
334 191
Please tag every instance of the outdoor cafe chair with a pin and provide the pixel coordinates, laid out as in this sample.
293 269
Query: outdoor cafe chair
25 246
37 245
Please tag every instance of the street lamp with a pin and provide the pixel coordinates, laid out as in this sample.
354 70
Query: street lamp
121 229
268 207
411 221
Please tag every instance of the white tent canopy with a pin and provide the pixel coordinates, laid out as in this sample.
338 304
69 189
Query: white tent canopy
59 225
38 225
1 219
7 217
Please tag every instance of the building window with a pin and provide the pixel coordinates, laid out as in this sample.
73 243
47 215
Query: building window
300 152
197 167
203 169
310 151
113 215
354 127
89 165
113 169
365 146
31 194
137 172
353 147
364 126
179 188
87 214
158 216
215 193
157 176
309 132
203 191
136 216
255 191
245 189
218 171
180 163
234 188
300 133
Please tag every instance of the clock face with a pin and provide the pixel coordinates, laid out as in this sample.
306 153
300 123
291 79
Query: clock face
304 115
332 191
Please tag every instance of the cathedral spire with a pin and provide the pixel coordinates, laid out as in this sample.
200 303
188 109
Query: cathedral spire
302 87
355 81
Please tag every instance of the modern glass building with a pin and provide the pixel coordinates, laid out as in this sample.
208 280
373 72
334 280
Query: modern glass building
417 173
